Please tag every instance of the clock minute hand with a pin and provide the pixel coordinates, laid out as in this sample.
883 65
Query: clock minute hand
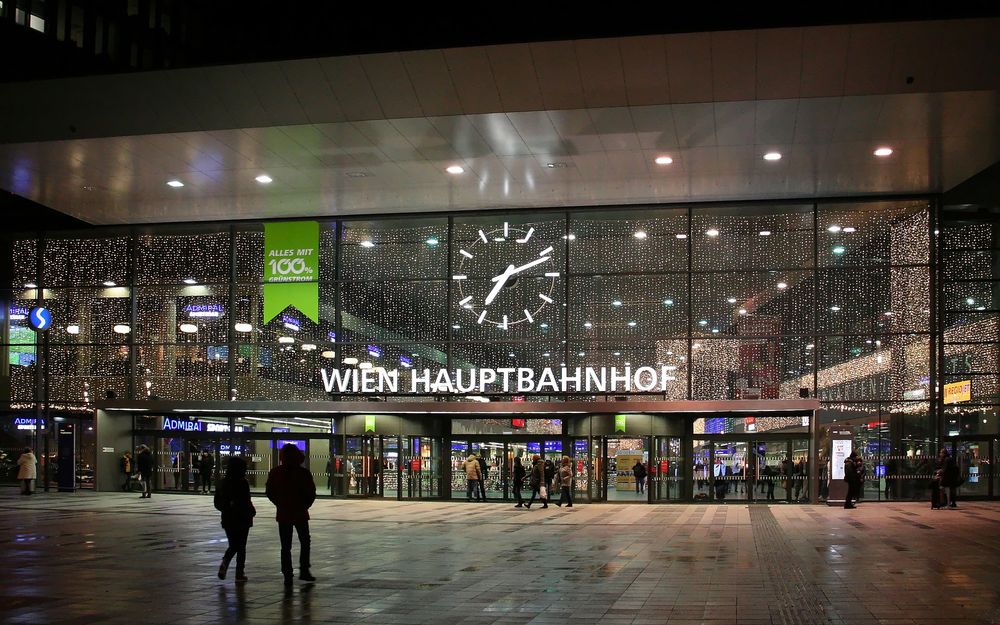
537 261
500 281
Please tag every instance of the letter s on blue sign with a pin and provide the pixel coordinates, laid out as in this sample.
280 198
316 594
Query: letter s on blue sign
40 318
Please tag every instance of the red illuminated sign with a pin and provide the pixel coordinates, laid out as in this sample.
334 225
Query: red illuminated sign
518 423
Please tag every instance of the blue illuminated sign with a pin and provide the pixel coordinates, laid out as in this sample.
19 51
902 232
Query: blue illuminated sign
290 322
375 351
184 425
204 310
332 336
279 429
580 446
18 313
553 446
534 448
40 318
715 425
406 362
27 423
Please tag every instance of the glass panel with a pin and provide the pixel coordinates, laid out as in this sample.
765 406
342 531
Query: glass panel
395 311
754 304
701 462
391 462
985 387
507 425
969 295
628 468
87 373
394 249
668 353
183 314
362 466
24 263
182 372
868 368
734 238
607 242
729 471
666 471
751 368
776 470
973 458
874 233
90 315
907 445
874 301
969 264
89 262
421 468
800 469
176 258
581 459
628 307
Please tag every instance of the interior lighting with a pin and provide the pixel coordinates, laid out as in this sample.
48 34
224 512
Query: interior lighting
743 311
264 179
632 324
782 286
765 233
432 241
365 365
715 330
73 329
175 184
980 308
663 160
546 354
329 353
122 328
587 324
681 235
834 228
883 151
970 301
582 354
616 303
511 355
243 327
308 347
190 281
456 327
849 229
366 243
640 234
835 308
731 300
668 302
189 328
703 322
350 361
839 250
30 285
285 340
543 325
109 283
569 237
712 232
455 169
772 156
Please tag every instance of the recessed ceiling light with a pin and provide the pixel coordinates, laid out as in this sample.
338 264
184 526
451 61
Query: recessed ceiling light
835 308
681 235
189 328
243 327
109 283
772 156
849 229
367 243
557 165
432 241
616 303
731 300
308 347
765 233
715 330
970 301
455 169
640 234
668 302
703 322
569 237
546 354
543 325
328 354
663 160
839 250
782 285
587 324
285 340
365 365
581 353
73 329
30 285
190 281
175 183
357 174
712 232
456 327
617 354
834 228
122 328
743 311
883 151
350 361
632 324
264 179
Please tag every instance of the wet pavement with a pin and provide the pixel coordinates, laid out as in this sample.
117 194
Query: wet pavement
113 558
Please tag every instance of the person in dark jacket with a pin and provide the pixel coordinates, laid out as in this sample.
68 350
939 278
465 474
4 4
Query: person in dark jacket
853 480
550 475
126 465
232 499
951 478
536 481
565 481
518 483
144 462
484 469
291 489
206 467
639 472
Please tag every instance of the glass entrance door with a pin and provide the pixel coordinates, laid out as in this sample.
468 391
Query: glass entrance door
627 469
975 466
420 467
745 469
362 466
665 471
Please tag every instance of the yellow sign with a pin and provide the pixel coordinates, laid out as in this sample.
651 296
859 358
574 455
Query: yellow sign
958 392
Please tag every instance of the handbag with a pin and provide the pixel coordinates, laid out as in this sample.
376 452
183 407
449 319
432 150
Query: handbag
543 493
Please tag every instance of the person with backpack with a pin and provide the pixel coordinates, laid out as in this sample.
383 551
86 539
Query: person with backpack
232 499
291 489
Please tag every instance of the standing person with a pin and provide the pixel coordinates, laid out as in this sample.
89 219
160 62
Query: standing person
484 469
787 471
799 473
639 471
537 482
206 467
27 470
859 466
232 499
125 464
550 475
473 474
144 462
291 489
767 481
184 464
566 483
518 482
951 478
851 477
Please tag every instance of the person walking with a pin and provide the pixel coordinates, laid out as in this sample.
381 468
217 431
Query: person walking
537 482
566 483
550 477
184 464
291 489
787 472
144 462
125 464
484 470
473 475
950 479
767 481
851 477
206 467
27 470
232 499
639 471
518 484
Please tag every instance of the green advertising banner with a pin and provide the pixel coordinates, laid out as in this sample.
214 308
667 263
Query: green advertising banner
369 423
620 423
291 268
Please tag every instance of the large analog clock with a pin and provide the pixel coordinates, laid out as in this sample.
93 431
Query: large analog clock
505 276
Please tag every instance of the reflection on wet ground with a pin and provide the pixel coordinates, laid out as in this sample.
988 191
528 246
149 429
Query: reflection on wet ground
113 558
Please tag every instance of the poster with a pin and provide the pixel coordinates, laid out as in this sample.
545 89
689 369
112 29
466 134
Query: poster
841 450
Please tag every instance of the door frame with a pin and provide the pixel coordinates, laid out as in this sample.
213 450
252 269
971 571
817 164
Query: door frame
751 439
993 448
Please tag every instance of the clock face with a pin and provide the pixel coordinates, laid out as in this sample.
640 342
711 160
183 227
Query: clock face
505 277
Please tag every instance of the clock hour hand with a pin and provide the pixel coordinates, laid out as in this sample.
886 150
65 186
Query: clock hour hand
537 261
500 281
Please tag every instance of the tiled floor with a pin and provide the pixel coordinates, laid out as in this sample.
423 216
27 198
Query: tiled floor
102 559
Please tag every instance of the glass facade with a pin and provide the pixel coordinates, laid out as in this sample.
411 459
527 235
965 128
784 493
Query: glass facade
869 307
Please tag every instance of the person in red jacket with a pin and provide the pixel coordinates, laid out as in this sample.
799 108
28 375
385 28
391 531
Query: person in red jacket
291 489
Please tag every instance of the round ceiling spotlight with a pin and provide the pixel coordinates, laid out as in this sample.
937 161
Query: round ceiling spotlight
189 328
782 286
329 354
264 179
73 329
243 327
772 156
663 160
350 361
122 328
175 184
640 234
285 340
455 169
883 151
712 232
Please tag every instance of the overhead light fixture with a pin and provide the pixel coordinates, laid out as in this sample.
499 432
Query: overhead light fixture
73 329
663 160
849 229
547 354
617 354
681 235
308 347
883 151
432 241
350 361
640 234
731 300
367 244
703 322
587 324
365 365
30 285
834 228
569 237
243 327
121 328
190 281
109 283
712 232
557 165
772 156
581 353
632 324
743 311
285 340
357 174
189 328
765 233
835 308
455 169
175 184
264 179
668 302
329 353
838 250
616 303
782 285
